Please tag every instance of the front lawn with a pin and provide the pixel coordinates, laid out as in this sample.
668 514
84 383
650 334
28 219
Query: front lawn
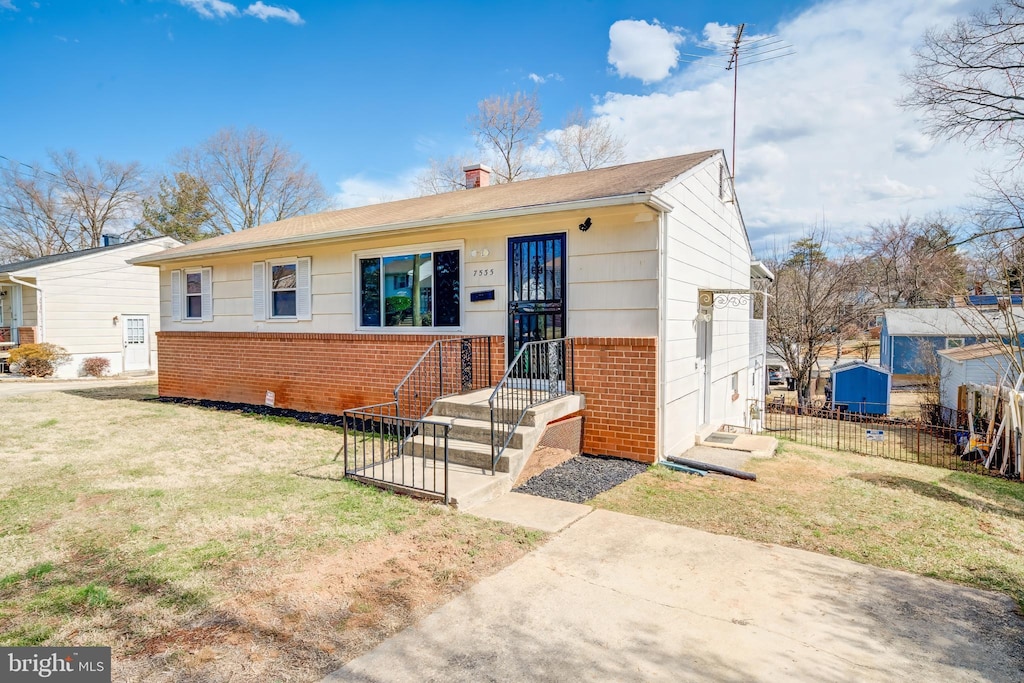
206 545
955 526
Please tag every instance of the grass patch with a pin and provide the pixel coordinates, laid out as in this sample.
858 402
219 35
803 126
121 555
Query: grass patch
169 529
954 526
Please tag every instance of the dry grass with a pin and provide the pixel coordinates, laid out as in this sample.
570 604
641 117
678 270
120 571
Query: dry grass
951 525
211 546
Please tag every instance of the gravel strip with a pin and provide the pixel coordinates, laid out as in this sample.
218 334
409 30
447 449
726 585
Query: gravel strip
581 478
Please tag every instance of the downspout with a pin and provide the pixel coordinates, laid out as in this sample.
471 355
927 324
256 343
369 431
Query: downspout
662 346
40 317
763 398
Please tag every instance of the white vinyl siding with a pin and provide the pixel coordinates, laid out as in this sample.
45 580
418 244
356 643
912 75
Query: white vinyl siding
706 248
611 273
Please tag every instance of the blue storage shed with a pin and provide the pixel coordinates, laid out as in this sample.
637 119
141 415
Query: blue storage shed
861 387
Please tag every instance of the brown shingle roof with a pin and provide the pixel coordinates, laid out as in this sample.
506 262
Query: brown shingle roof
639 178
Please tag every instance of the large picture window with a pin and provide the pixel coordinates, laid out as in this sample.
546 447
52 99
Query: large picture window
410 290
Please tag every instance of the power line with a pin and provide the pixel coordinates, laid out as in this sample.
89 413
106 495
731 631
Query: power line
59 178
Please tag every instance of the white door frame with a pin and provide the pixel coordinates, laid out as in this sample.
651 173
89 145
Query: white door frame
126 330
704 350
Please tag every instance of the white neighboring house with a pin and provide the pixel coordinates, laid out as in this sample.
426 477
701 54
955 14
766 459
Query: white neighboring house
91 302
976 364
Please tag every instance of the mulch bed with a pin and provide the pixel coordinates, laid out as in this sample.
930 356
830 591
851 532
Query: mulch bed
250 409
581 478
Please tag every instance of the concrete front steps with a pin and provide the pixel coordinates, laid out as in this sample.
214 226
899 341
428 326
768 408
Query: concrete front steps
470 481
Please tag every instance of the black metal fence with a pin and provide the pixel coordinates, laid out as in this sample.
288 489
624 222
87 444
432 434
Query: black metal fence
447 367
869 431
380 447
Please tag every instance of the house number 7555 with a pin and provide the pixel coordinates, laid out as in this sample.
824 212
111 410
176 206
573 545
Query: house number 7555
483 272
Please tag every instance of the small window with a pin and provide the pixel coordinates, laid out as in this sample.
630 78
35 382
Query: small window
954 342
735 382
282 290
192 294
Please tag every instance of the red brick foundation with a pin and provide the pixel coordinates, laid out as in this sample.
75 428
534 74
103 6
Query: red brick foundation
317 372
332 372
27 335
618 377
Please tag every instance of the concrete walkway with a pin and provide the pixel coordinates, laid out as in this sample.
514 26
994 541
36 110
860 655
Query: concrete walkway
620 598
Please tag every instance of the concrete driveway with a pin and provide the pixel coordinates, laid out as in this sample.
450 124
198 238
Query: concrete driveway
11 386
620 598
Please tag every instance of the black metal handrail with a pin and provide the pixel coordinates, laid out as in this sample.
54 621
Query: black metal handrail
542 371
447 367
381 437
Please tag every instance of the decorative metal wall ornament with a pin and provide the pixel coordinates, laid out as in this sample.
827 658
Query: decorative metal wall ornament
466 362
732 299
554 366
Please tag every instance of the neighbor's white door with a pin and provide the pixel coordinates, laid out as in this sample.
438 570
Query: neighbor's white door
135 329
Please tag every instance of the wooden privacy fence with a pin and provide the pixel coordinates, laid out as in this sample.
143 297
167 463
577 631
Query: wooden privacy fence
869 432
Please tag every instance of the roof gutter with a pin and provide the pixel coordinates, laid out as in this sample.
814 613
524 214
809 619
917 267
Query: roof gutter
620 200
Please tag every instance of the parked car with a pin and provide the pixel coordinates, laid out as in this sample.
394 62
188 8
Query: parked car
777 376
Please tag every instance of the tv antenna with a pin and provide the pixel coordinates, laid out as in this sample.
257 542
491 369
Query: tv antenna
754 51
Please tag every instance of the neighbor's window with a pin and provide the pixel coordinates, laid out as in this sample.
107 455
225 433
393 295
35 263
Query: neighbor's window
954 342
410 290
193 295
282 289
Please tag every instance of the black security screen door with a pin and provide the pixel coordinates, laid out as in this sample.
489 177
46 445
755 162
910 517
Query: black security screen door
536 289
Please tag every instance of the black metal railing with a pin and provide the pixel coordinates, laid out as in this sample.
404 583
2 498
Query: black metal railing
542 371
377 438
448 367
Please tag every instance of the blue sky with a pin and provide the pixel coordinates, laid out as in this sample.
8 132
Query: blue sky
367 92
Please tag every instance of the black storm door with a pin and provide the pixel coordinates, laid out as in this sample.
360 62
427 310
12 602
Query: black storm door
536 290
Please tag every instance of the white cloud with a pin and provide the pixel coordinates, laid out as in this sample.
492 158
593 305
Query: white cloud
642 50
8 4
211 9
538 79
265 12
359 190
819 133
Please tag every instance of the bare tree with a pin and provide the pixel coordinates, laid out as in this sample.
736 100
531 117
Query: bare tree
442 176
106 196
67 206
812 297
968 78
33 219
508 129
584 144
911 262
252 178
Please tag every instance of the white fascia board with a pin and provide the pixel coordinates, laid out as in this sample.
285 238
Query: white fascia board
350 233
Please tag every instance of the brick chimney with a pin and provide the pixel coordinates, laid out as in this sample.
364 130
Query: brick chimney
477 175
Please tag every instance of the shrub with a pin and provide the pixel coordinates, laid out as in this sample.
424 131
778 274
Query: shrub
95 366
38 360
